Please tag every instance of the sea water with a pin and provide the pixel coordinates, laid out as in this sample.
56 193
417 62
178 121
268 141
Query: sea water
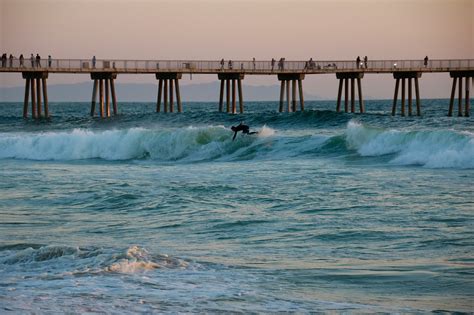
154 212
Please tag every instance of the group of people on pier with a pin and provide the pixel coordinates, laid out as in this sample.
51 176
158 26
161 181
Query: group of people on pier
35 61
359 64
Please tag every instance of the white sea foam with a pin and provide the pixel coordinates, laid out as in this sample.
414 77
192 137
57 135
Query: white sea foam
189 144
433 149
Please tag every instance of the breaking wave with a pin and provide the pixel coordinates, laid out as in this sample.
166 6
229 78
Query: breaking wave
432 149
427 148
75 260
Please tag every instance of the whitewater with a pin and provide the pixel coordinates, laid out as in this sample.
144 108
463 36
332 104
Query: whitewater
318 212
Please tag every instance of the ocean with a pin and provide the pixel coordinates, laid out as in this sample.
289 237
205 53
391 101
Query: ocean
163 213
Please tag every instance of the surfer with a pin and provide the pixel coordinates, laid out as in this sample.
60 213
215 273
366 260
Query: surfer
243 128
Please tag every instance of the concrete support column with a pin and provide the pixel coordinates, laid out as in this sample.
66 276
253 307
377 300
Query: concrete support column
288 107
352 96
460 98
451 101
38 97
282 95
114 98
293 95
409 97
339 94
467 108
34 109
300 89
101 97
107 98
395 96
361 99
221 97
27 96
227 95
346 95
178 96
165 100
94 97
403 97
417 92
241 99
45 98
234 108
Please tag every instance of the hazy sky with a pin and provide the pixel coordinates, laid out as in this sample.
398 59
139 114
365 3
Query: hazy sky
230 29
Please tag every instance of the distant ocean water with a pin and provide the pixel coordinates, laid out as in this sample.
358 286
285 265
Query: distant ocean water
320 211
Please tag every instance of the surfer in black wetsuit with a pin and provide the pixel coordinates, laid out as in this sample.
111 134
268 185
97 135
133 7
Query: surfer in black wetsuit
243 128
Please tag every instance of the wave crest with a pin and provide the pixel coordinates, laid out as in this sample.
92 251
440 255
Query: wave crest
433 149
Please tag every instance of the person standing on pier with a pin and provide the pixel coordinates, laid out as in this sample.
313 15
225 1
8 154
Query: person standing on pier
93 62
273 63
230 64
21 60
222 64
358 62
38 61
49 61
254 65
11 60
365 62
425 61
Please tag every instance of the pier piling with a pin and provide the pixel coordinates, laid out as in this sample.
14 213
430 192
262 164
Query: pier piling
231 91
104 82
406 76
458 76
291 101
35 82
344 78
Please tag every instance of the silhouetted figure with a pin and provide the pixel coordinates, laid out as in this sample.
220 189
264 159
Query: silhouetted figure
254 65
358 62
230 64
93 61
21 60
50 61
365 62
425 61
273 63
38 61
243 128
11 60
4 60
222 64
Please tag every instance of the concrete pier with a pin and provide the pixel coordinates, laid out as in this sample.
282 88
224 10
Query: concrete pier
168 82
105 82
169 72
344 78
285 79
404 76
458 76
229 77
36 81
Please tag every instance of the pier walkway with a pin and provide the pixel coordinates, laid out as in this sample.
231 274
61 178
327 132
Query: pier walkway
232 72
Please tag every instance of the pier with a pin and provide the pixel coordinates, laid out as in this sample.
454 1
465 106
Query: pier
232 72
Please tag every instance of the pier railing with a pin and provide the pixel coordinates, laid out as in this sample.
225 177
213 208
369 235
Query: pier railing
246 66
